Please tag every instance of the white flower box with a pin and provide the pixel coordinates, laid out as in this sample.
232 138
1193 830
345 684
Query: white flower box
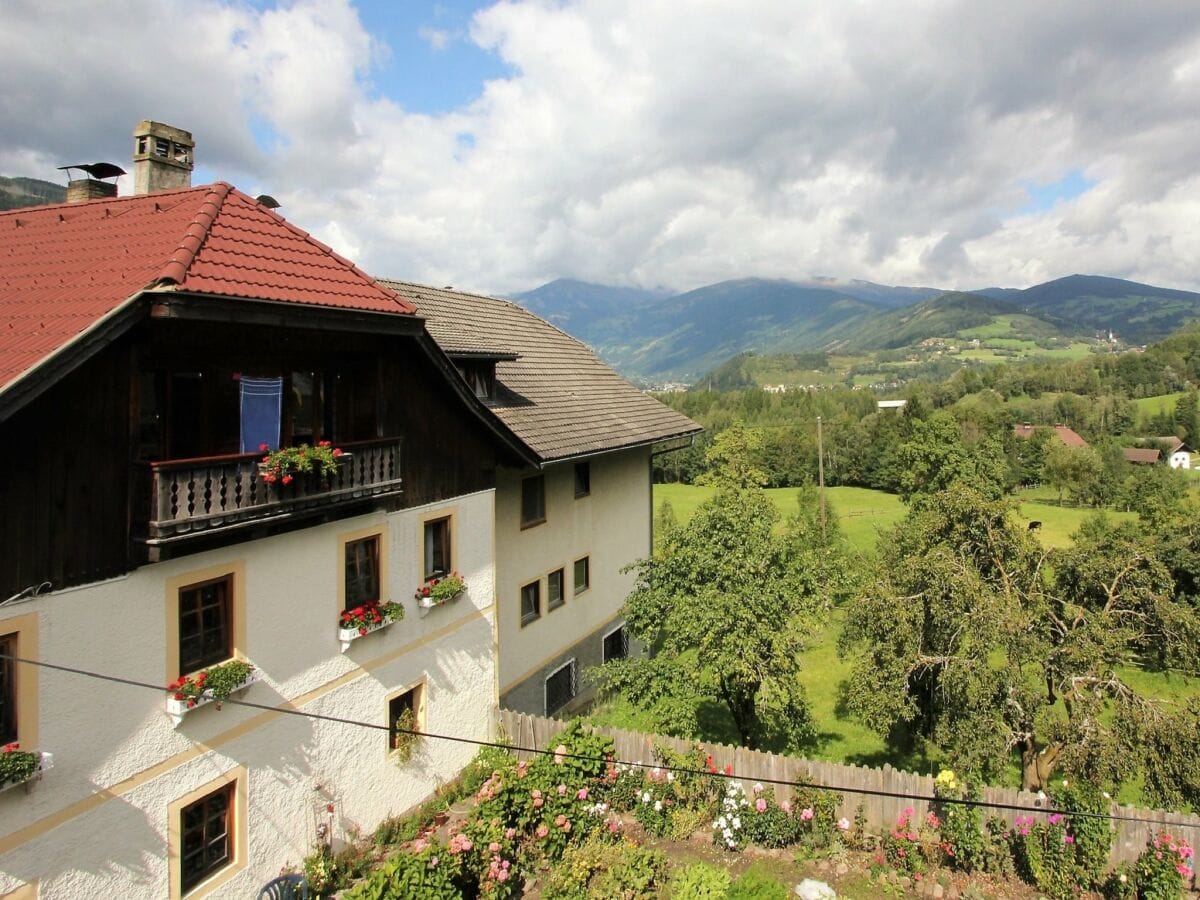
348 636
178 709
424 604
45 761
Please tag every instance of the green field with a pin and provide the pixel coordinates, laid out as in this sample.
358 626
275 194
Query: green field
1152 406
863 513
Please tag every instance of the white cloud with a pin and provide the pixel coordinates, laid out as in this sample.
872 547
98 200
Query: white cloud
649 142
437 38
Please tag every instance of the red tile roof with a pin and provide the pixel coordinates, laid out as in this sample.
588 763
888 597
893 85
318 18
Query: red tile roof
63 268
1068 436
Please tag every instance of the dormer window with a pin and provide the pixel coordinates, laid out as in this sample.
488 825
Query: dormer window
480 374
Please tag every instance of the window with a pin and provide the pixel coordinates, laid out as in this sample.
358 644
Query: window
206 836
583 575
616 644
561 687
8 690
533 501
362 571
481 376
438 561
583 479
205 624
404 715
554 590
531 602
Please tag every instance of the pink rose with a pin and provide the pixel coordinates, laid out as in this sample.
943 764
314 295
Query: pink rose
806 814
761 805
542 830
582 795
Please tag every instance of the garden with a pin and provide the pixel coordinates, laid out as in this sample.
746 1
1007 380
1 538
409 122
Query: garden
574 823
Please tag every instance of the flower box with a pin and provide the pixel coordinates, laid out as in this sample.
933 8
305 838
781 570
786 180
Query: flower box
367 619
430 602
177 709
348 636
437 591
45 761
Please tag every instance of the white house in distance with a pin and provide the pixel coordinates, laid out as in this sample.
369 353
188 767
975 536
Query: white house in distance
567 525
148 344
1179 455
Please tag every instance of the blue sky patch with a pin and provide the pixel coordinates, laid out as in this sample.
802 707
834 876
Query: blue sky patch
1046 195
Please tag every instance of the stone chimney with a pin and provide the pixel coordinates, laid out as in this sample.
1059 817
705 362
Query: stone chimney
162 158
80 190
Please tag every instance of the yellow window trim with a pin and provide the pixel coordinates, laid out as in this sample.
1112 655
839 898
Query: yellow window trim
237 571
24 892
175 839
26 629
380 531
422 690
433 515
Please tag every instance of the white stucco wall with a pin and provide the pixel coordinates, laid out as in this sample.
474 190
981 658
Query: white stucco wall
611 526
97 824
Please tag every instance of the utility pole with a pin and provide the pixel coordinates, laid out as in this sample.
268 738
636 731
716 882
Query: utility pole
821 477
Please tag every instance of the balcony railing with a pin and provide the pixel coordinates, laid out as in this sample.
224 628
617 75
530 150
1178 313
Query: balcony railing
189 496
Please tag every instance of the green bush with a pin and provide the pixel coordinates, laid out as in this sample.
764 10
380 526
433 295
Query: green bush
431 874
598 870
700 881
757 884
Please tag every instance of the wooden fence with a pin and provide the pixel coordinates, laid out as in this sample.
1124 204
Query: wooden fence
881 811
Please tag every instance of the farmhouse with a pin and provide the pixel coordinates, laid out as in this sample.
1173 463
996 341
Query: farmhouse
567 525
1067 435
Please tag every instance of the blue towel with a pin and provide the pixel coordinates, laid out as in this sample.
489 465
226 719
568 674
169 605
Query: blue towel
262 402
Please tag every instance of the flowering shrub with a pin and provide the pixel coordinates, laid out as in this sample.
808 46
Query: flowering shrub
363 618
727 827
912 847
215 682
439 590
284 464
656 802
429 871
1044 854
963 841
17 765
771 824
1164 868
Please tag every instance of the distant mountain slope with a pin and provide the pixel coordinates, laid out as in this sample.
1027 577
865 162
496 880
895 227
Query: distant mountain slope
882 294
17 193
595 313
654 337
953 315
1137 313
686 335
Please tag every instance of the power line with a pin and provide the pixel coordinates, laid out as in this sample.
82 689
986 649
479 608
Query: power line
682 770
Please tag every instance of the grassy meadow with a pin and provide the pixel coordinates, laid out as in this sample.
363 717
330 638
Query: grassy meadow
864 514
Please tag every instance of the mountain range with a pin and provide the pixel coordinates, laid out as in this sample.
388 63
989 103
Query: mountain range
653 336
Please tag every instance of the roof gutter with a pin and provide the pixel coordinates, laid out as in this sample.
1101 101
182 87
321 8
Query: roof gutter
678 441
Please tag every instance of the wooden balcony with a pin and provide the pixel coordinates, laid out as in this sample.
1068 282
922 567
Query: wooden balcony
206 495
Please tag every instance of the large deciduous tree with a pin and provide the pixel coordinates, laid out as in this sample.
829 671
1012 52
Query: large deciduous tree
725 606
964 636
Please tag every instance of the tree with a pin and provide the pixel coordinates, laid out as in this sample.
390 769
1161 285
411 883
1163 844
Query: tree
1074 469
1187 416
725 607
935 457
963 637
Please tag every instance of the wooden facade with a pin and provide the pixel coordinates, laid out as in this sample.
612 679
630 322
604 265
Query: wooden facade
83 466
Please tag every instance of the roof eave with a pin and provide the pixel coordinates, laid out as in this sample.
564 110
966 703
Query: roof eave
685 436
70 355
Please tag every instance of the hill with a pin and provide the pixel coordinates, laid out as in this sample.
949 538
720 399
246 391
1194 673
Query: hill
1136 313
653 337
961 317
17 193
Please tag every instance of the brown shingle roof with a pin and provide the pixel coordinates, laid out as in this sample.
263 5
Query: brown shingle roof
557 396
1140 455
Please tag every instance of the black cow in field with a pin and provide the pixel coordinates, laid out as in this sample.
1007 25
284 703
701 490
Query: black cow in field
1035 525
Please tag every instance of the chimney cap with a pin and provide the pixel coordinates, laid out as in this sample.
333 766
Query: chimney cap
95 170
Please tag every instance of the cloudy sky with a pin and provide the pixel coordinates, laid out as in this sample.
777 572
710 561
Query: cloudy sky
658 143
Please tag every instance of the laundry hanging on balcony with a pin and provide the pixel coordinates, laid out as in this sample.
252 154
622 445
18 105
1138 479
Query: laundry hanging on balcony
261 404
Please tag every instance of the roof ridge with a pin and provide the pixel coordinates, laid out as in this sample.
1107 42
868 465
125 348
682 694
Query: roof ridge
371 279
97 201
515 305
176 269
